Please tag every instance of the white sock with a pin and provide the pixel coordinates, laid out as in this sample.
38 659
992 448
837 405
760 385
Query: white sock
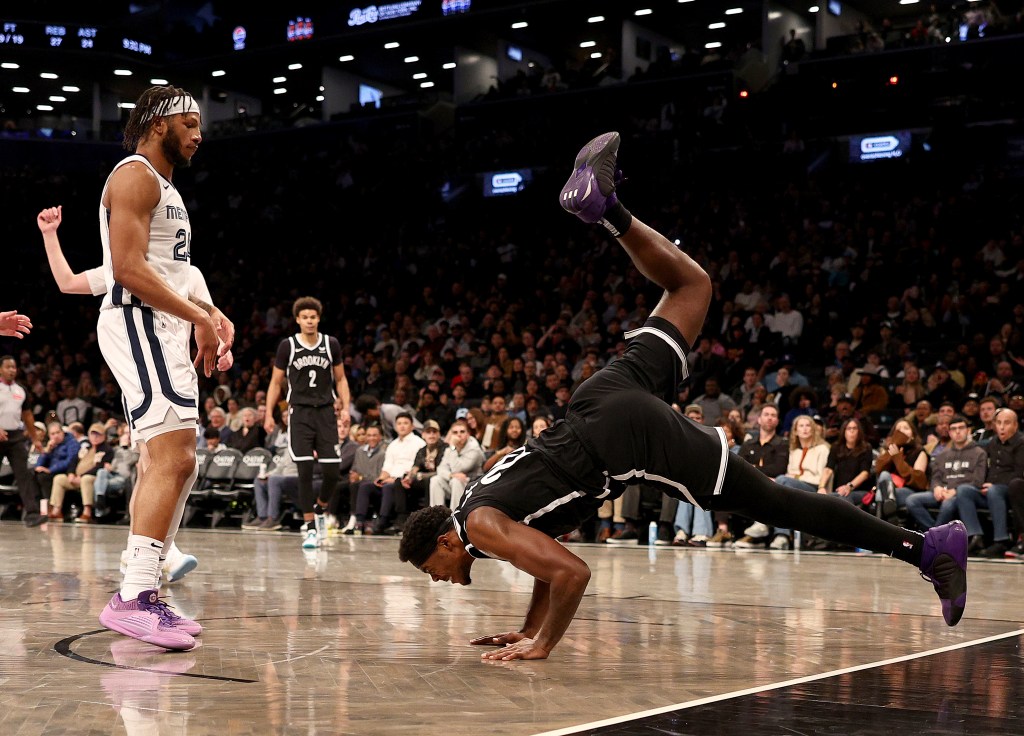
143 568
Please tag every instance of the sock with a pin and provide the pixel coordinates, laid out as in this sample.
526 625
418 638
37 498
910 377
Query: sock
617 219
143 568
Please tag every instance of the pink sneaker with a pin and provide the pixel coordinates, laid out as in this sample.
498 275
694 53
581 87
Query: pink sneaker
147 619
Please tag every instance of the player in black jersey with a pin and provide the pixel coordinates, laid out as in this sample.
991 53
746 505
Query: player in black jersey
620 428
317 397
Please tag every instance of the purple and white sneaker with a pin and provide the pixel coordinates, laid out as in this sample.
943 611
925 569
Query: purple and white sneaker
590 191
944 565
147 619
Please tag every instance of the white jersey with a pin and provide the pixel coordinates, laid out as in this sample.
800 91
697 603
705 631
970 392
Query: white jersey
196 283
170 241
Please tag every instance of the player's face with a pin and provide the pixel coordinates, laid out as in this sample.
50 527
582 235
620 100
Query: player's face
182 139
449 564
308 321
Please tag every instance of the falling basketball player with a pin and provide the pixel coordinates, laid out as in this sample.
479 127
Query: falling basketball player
620 429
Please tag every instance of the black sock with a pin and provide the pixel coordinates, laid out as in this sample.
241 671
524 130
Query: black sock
749 492
617 219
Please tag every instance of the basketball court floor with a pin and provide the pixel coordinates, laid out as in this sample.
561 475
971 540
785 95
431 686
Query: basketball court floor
348 640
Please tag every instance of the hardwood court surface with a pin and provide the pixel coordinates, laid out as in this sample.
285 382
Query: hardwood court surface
350 641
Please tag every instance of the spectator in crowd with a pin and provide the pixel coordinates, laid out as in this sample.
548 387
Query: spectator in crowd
941 387
713 403
987 409
870 396
398 460
1004 384
787 322
848 470
971 411
511 437
901 467
769 453
424 467
963 463
118 476
539 424
71 408
250 434
803 401
218 420
911 389
808 457
1005 463
743 394
346 449
59 455
366 468
938 441
462 460
97 455
271 486
213 439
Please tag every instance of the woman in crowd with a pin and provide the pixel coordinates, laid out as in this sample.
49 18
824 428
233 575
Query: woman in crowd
901 467
511 436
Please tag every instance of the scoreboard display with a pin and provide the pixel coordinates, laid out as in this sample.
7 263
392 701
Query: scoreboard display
75 37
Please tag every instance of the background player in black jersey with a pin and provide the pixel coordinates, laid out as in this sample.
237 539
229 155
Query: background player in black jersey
619 428
317 397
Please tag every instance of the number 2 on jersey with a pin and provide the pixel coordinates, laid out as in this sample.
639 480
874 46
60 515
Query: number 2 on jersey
312 379
183 248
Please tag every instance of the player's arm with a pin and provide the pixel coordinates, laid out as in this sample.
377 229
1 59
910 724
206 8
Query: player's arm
534 616
199 294
67 280
564 574
132 193
341 404
273 397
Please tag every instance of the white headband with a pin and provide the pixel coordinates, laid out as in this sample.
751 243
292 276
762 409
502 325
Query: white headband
180 105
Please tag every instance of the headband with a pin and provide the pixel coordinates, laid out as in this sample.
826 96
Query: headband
180 105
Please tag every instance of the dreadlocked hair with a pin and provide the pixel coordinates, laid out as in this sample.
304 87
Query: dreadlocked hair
419 537
151 105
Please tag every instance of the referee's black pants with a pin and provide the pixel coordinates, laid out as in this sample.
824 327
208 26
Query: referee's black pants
15 450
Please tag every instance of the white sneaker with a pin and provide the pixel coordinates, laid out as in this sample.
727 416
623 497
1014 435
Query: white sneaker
351 525
332 521
310 541
757 530
781 541
680 538
181 566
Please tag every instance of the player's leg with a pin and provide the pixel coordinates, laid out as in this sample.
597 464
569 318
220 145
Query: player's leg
173 464
590 195
941 554
327 455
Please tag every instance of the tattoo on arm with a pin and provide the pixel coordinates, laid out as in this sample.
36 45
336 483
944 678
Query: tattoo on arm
208 308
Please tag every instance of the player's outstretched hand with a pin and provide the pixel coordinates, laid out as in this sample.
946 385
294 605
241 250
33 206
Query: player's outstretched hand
522 649
207 343
499 640
13 324
49 219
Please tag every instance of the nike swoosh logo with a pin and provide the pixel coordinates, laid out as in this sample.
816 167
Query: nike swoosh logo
156 545
167 186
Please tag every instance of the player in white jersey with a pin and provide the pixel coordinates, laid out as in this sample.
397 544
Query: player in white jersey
143 332
177 564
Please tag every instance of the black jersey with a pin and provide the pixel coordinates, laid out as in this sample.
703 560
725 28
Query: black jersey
617 432
310 371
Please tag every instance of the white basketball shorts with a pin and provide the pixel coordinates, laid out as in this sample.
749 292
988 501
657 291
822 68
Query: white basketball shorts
147 351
